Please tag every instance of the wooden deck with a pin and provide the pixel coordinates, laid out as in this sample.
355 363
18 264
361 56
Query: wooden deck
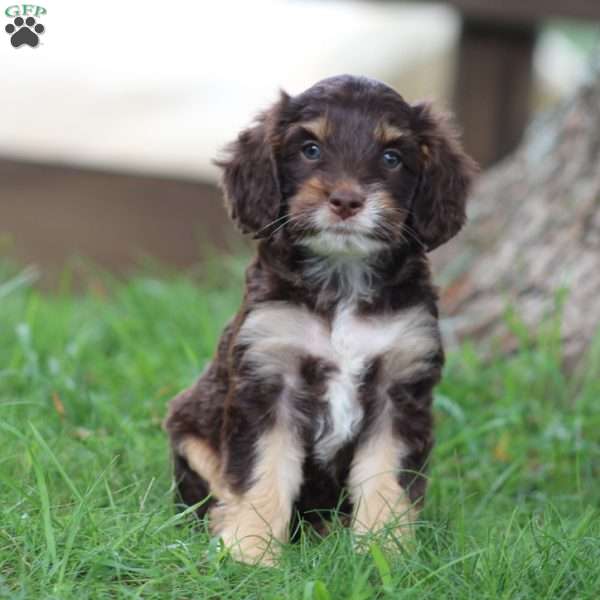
49 214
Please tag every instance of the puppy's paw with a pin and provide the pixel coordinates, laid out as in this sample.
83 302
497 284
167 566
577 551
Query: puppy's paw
253 550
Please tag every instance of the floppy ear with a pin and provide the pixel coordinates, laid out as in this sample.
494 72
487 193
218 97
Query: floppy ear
250 180
438 210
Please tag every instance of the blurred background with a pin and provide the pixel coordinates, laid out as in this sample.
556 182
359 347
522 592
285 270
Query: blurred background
108 127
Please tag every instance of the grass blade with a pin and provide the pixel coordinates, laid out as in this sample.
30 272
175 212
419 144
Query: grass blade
40 440
45 502
320 591
383 567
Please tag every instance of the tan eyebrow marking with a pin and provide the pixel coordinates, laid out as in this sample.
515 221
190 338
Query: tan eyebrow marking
319 127
385 132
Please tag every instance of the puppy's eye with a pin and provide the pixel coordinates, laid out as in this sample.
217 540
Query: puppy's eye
391 160
311 151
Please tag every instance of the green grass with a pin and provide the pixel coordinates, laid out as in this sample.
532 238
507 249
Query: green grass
85 492
584 36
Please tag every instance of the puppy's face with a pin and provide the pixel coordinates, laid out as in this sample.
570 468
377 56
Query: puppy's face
348 168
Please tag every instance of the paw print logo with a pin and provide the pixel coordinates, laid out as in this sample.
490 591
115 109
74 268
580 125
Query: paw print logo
24 32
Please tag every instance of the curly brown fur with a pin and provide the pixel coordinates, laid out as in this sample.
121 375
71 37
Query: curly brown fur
319 396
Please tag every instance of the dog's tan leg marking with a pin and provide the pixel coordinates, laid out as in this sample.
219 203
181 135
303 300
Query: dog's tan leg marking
205 462
252 525
376 494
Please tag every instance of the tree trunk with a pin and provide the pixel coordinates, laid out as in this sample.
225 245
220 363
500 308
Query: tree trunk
533 231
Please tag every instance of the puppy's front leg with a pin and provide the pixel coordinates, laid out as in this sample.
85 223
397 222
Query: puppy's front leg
253 522
374 487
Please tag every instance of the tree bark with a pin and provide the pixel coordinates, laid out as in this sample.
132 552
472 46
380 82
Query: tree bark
533 232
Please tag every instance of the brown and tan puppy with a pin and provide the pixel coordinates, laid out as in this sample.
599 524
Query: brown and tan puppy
319 395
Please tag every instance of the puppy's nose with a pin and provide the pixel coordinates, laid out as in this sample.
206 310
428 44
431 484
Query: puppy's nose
346 203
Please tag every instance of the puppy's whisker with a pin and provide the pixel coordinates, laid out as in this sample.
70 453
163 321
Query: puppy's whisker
281 226
413 234
403 226
291 219
271 223
394 209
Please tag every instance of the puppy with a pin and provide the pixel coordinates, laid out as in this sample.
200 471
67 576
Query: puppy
319 395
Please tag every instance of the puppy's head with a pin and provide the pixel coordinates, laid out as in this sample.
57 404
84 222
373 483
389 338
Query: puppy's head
348 167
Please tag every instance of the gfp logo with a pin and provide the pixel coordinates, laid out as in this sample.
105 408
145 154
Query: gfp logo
25 29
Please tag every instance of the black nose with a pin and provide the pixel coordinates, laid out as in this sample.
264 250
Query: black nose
346 203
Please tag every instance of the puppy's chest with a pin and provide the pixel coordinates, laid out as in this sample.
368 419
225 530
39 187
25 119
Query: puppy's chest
281 337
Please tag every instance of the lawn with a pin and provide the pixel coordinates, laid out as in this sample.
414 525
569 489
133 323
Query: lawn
85 491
